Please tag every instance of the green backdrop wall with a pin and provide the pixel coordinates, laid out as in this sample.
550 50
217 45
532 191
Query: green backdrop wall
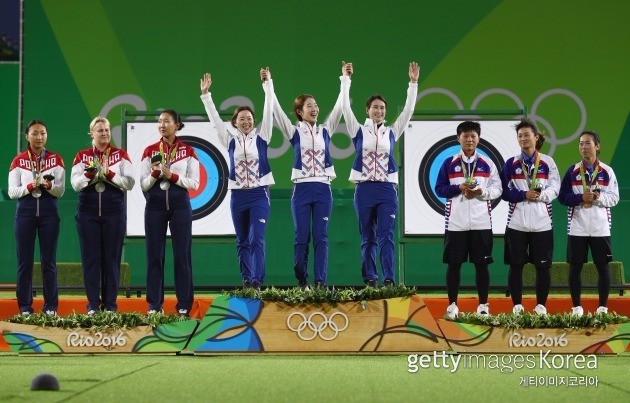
565 60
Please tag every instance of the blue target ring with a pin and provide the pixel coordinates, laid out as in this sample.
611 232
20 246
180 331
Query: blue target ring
433 160
213 189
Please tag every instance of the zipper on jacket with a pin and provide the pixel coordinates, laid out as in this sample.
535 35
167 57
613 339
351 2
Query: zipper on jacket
313 148
99 204
37 209
167 205
375 151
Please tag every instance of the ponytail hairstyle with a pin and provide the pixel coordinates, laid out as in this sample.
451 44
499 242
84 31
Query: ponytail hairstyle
525 123
33 123
594 135
175 117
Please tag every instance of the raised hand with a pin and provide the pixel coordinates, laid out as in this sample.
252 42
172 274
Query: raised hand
205 83
414 72
265 74
347 69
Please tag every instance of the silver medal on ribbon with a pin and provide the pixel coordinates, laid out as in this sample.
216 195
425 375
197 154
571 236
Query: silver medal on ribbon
100 187
165 185
37 193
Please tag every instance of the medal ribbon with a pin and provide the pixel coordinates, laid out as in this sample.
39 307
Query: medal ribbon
593 179
469 175
526 170
36 167
169 156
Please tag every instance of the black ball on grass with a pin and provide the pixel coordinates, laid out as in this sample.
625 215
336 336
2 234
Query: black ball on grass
44 381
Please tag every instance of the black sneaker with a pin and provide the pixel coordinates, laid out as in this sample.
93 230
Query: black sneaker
183 312
304 286
371 283
256 285
319 284
246 284
388 283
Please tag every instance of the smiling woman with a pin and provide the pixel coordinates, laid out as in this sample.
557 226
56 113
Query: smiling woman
375 173
312 173
250 176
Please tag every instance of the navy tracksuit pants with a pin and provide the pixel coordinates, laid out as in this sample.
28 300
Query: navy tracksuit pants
376 204
47 229
250 213
101 239
311 201
180 223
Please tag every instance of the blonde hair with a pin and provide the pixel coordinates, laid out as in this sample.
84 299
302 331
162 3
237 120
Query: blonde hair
98 119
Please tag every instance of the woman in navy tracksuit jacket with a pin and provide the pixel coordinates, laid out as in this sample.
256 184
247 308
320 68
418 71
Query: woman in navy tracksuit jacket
168 170
312 173
376 176
589 188
37 180
250 177
530 183
101 174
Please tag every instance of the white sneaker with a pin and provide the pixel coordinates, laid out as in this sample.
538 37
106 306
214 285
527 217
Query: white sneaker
451 312
151 312
51 313
577 311
518 309
483 309
540 310
26 313
601 309
183 312
91 312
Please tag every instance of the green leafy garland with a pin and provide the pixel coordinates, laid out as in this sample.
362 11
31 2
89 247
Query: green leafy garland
104 321
323 295
530 320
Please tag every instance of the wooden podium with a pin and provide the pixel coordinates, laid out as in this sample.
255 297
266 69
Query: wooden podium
233 325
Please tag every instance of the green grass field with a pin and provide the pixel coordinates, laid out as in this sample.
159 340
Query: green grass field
290 378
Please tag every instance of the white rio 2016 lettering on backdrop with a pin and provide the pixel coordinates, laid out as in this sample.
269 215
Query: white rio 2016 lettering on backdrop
340 153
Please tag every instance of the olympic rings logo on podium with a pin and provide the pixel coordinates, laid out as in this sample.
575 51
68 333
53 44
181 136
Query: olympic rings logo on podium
317 324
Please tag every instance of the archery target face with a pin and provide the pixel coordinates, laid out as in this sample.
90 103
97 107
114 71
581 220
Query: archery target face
210 202
426 145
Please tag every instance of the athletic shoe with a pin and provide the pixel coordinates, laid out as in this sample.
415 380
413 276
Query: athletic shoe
577 311
451 312
483 309
246 284
318 284
256 285
183 312
26 313
601 309
371 283
540 310
518 309
388 283
91 312
51 313
154 311
304 286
